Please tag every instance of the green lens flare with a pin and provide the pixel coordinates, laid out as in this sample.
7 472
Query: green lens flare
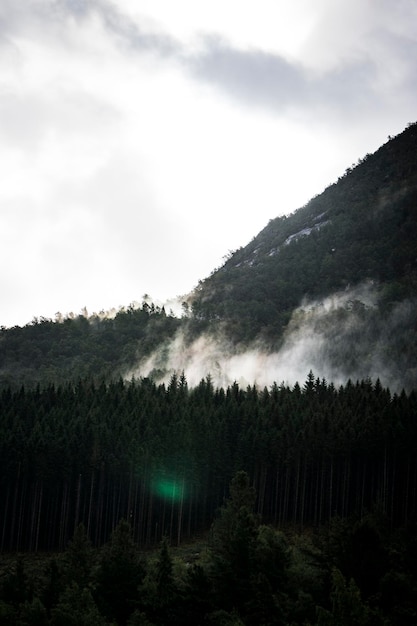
169 489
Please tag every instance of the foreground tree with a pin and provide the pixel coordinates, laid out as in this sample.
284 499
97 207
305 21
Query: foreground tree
79 558
233 540
119 576
248 559
76 607
348 609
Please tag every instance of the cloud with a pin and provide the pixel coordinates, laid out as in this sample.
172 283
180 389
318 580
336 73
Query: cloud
131 36
249 75
258 78
349 60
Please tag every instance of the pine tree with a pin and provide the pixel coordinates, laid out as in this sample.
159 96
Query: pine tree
164 575
347 606
79 558
76 607
233 541
120 574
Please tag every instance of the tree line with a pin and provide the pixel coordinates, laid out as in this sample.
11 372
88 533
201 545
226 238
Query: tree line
99 346
162 457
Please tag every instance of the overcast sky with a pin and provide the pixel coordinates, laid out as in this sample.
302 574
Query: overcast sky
141 140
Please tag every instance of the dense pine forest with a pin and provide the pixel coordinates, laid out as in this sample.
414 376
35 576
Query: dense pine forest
163 457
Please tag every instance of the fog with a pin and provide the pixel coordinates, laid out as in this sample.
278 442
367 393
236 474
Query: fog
343 336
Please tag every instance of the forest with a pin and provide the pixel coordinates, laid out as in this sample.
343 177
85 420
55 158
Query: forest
99 346
159 466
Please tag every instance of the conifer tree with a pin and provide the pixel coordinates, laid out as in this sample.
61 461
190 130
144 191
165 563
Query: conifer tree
347 606
79 557
120 574
76 607
233 540
164 575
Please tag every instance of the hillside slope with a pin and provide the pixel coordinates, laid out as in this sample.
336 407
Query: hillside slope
335 283
362 228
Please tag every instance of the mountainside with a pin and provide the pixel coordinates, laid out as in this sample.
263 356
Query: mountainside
362 228
331 287
339 274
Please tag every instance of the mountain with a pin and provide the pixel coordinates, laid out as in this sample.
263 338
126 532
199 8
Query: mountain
339 274
331 287
361 229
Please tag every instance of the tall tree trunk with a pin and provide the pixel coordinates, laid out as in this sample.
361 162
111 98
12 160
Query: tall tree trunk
322 488
190 511
180 510
407 492
77 502
5 516
14 509
64 516
22 515
303 494
331 489
90 504
364 476
317 496
296 490
38 522
149 523
100 505
286 495
262 488
345 489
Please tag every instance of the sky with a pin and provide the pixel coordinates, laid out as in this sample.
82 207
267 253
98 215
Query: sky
143 140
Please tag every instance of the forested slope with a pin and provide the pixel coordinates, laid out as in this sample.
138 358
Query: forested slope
362 228
74 347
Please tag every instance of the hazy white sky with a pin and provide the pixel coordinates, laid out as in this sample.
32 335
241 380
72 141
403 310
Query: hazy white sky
141 140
